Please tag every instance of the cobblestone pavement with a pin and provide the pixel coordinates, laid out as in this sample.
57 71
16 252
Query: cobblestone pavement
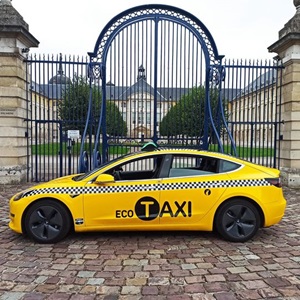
176 265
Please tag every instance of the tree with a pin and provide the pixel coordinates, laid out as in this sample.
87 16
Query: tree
187 116
73 108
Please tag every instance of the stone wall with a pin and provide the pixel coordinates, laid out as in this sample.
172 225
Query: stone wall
288 49
15 40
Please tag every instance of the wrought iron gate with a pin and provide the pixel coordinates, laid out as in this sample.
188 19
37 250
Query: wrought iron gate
56 114
155 75
159 67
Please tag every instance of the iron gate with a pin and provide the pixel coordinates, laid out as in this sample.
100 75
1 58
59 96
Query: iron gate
159 67
155 75
56 113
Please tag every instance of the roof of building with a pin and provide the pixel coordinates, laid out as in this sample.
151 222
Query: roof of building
58 83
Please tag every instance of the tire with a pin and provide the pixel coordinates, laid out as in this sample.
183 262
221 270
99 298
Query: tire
237 220
47 221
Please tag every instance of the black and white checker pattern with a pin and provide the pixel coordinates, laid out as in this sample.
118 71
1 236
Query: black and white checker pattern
214 184
150 187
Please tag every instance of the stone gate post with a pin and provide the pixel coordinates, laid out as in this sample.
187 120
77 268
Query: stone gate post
288 50
15 41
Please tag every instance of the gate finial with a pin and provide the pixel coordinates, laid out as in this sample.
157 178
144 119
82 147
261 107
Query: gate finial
141 74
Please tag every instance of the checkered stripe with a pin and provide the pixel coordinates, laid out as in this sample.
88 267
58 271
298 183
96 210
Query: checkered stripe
215 184
150 187
57 190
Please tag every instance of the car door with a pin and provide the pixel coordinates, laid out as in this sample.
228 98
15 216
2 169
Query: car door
190 190
130 199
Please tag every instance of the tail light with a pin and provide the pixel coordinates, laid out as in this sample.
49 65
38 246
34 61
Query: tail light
274 181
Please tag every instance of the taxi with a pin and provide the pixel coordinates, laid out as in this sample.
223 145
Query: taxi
161 189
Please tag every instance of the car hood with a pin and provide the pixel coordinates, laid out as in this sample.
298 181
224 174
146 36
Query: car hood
62 179
58 181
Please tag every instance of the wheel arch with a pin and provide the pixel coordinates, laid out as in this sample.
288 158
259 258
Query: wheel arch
259 209
43 199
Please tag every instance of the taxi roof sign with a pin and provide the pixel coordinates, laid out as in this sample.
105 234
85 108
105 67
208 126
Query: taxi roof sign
150 146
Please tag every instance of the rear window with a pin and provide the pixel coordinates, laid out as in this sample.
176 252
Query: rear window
227 166
195 165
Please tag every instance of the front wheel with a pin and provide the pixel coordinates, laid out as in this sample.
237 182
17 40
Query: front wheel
47 221
237 220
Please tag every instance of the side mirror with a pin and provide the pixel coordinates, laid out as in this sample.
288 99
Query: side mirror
104 178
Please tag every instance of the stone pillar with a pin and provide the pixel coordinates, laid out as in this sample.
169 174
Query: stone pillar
15 41
288 50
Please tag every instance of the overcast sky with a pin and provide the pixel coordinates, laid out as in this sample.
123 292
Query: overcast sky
241 28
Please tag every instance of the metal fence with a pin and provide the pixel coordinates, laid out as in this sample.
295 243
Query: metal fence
155 75
52 113
254 109
58 93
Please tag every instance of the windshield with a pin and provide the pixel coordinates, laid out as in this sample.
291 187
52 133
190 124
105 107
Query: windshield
86 175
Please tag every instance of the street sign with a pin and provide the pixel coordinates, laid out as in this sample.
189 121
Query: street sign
73 134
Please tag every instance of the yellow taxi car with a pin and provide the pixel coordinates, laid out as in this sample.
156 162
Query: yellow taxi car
163 189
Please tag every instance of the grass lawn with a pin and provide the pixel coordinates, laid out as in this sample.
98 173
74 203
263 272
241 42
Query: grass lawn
54 149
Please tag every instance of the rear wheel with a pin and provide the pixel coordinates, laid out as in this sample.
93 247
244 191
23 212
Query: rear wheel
47 221
237 220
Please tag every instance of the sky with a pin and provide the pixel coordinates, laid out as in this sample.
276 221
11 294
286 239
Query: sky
242 29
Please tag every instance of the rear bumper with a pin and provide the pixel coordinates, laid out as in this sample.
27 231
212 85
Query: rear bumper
274 212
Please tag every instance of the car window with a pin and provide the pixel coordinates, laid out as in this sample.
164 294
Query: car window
87 174
193 165
227 166
142 168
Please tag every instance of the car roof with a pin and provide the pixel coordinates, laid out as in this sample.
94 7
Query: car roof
166 150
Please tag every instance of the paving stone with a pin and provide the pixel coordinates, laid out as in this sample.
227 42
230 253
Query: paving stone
148 266
248 295
194 279
237 270
216 287
131 290
95 281
255 284
188 266
136 281
268 293
158 281
12 296
249 276
34 296
225 296
150 290
108 290
194 288
86 274
82 297
214 278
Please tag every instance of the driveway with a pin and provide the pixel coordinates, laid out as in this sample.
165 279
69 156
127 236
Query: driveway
143 265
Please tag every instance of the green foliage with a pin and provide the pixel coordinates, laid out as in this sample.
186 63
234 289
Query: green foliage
73 108
187 116
115 125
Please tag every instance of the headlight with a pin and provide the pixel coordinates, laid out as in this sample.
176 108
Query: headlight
21 195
